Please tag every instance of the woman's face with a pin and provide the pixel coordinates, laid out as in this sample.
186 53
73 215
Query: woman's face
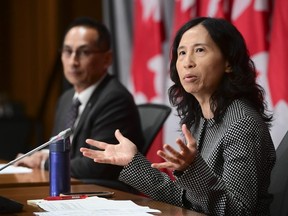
200 63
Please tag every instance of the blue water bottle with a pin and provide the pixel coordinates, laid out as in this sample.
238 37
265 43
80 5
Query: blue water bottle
59 167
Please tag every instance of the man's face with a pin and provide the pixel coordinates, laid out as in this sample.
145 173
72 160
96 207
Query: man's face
83 62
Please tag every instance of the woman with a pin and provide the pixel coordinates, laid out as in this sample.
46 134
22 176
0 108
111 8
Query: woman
223 167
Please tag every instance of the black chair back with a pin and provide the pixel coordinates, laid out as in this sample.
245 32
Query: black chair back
152 117
279 180
14 135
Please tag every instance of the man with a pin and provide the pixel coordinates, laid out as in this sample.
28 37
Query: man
106 105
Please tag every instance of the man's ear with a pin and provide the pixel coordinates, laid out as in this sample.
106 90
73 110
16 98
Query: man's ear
108 58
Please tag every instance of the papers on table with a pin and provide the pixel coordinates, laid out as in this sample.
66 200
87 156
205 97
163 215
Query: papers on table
14 169
92 206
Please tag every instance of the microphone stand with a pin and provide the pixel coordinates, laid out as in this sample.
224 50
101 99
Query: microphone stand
61 135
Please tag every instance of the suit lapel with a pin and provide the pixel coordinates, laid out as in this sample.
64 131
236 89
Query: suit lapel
66 102
92 100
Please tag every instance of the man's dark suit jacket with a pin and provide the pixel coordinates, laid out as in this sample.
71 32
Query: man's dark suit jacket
110 107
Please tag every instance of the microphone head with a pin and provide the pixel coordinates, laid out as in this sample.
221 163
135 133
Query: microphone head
64 134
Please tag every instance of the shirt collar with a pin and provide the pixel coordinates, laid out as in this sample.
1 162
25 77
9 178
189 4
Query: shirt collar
84 95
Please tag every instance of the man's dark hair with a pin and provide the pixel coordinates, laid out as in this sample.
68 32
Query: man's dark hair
104 40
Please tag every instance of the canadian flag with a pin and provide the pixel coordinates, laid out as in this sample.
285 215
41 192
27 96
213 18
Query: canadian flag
277 70
214 8
148 75
252 20
184 10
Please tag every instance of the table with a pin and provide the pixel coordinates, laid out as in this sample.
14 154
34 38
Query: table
37 177
22 194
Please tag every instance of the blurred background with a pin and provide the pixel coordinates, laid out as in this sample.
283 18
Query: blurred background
31 33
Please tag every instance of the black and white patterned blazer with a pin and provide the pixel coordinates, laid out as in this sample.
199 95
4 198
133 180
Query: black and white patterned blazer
230 175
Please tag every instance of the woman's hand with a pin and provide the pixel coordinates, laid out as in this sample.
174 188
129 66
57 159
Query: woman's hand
178 160
120 154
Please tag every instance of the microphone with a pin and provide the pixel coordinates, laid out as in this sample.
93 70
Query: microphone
62 135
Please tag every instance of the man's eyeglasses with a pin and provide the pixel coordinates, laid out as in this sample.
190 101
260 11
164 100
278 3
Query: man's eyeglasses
79 53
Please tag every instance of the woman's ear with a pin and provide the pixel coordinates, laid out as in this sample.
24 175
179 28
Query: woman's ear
228 68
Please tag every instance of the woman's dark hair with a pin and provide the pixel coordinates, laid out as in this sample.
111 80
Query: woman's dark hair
104 40
239 83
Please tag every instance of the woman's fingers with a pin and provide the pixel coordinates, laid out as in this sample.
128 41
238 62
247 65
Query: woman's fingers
97 155
119 136
87 152
163 165
98 144
190 140
178 159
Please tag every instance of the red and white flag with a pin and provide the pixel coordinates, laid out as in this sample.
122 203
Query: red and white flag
277 70
251 17
148 74
252 20
214 8
184 10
